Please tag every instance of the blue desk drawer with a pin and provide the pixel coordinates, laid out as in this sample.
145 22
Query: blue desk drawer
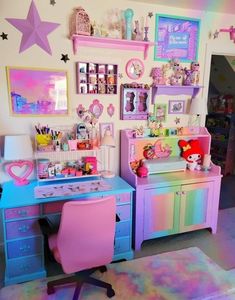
123 198
122 245
22 212
26 265
124 212
24 247
122 229
21 229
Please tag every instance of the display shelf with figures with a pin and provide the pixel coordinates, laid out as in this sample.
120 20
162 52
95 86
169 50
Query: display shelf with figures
174 90
96 78
134 101
103 42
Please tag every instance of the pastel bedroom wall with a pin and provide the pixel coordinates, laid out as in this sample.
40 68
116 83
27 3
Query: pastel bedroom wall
59 42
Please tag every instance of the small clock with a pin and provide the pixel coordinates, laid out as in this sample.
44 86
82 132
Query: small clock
135 68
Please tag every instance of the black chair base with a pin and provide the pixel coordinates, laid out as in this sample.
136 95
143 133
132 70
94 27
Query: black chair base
80 278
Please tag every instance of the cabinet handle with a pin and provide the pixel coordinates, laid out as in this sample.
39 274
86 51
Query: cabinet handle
25 248
178 193
183 193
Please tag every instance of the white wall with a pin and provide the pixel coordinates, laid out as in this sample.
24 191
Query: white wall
60 43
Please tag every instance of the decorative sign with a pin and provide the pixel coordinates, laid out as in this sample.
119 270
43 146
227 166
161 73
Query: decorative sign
176 37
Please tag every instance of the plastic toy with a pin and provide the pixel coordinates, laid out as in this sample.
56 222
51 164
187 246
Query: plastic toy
195 72
142 171
192 153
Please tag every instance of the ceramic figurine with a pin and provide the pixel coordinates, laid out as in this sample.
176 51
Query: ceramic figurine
138 33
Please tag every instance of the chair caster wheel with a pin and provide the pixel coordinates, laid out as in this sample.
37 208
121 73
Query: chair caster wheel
103 269
50 290
110 293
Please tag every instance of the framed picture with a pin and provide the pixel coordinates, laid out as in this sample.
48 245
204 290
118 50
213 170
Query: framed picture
176 107
104 127
176 37
160 112
37 92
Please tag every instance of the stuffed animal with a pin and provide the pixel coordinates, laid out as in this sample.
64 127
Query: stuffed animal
192 152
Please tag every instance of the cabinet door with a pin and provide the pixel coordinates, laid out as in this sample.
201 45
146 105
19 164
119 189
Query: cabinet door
161 212
195 207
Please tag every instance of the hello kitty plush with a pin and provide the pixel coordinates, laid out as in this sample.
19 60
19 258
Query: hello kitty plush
192 152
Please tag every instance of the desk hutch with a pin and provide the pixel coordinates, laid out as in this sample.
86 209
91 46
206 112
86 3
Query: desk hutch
24 249
172 202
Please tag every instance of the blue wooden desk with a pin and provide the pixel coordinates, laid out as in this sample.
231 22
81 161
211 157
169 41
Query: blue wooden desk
23 240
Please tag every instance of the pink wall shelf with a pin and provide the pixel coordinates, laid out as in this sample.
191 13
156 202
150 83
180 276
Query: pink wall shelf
101 42
174 90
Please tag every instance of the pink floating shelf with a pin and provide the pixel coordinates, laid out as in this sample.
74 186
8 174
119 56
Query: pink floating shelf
100 42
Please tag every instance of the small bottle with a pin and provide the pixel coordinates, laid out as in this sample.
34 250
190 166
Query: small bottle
57 146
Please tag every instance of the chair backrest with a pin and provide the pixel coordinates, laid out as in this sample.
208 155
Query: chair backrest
86 233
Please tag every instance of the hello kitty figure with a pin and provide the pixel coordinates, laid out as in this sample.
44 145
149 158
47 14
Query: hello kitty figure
195 72
176 77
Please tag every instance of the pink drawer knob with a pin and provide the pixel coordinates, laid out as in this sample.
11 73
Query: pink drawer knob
23 228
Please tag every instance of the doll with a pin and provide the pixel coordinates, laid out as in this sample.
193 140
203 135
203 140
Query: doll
192 152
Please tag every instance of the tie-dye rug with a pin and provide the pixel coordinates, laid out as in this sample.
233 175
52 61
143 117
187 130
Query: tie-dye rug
177 275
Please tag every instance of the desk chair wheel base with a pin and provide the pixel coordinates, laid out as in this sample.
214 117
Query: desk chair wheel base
50 290
103 269
110 293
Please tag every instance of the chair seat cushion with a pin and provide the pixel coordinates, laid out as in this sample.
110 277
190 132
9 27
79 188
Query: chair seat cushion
53 247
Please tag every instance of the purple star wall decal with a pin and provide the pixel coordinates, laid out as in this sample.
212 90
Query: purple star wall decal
34 31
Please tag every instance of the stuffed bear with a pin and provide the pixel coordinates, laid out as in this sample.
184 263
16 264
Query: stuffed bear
192 152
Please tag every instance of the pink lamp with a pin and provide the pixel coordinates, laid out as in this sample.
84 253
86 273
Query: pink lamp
18 148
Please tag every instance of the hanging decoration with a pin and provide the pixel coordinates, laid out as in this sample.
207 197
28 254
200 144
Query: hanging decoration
64 57
231 31
4 36
34 31
52 2
110 110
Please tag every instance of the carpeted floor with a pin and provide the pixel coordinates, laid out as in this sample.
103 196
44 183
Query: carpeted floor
178 275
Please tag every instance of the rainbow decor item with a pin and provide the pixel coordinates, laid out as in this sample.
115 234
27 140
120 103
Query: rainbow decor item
178 275
38 92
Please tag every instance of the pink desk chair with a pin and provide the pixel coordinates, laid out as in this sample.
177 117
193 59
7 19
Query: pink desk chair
84 242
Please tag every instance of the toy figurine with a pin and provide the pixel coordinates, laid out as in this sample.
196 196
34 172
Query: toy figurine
149 152
157 76
188 77
195 72
142 171
192 152
176 77
138 34
142 107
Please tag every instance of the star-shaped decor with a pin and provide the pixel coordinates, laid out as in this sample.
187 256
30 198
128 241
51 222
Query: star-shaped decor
216 34
52 2
4 36
120 75
177 120
150 14
64 57
34 30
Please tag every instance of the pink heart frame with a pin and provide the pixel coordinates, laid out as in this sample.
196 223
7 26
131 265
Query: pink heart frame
20 180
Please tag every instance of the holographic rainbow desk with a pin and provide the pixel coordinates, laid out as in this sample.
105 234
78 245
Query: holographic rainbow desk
173 202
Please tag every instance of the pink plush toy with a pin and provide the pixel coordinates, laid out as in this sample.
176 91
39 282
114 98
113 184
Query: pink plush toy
192 153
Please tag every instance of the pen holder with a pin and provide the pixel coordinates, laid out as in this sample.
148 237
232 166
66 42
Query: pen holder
43 139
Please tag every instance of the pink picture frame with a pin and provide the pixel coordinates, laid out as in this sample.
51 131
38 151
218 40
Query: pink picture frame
37 92
176 107
135 68
105 126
